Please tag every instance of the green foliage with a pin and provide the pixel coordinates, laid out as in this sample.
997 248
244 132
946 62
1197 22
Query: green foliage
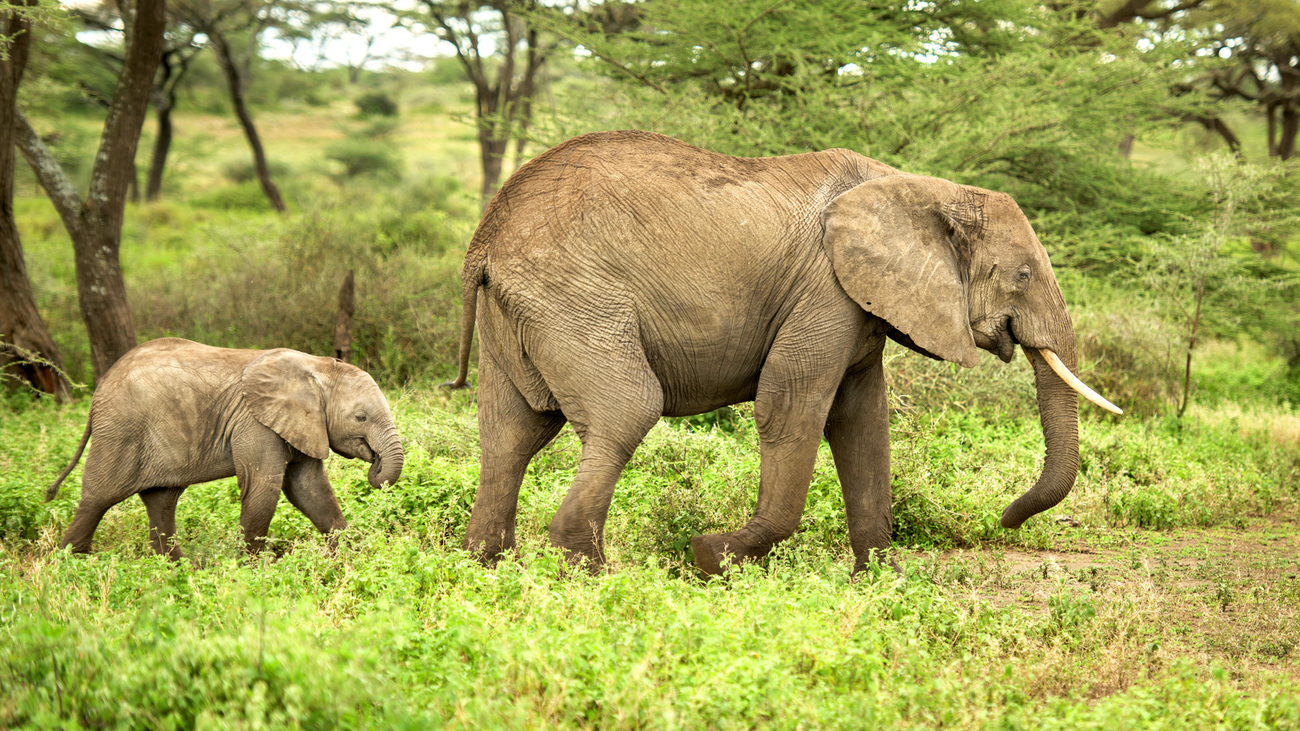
361 156
376 103
241 170
399 628
1006 95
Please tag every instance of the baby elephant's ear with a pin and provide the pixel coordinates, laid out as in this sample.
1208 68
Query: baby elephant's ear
284 392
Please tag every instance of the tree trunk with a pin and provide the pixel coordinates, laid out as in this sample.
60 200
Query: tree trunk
1126 146
1290 127
96 235
492 151
95 225
161 146
1218 126
235 84
22 330
1270 113
165 102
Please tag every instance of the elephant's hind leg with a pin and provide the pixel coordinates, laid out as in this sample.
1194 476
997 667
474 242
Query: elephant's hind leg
160 503
107 479
90 511
511 433
619 402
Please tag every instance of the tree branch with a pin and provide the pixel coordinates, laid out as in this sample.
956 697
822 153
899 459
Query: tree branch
114 168
48 171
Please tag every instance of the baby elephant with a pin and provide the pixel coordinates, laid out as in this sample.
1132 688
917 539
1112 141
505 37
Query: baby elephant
172 413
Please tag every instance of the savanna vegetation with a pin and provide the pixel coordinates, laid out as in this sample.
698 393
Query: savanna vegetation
1151 145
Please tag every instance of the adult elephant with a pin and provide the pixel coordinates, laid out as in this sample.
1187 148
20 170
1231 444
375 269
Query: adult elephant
623 276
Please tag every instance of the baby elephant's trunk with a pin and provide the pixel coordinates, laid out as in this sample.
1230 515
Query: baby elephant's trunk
387 467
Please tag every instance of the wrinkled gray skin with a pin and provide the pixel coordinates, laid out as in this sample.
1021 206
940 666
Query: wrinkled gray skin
172 413
624 276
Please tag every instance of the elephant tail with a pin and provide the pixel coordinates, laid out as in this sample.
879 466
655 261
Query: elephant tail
471 280
53 490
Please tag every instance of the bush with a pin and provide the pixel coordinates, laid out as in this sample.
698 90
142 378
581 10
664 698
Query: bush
247 196
242 170
376 103
279 288
360 156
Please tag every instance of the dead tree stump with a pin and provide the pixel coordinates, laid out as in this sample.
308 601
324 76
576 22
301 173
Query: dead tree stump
343 325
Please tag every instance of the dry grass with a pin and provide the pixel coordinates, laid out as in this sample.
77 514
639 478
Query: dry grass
1280 424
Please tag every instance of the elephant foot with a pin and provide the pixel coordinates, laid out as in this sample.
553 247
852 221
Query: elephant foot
716 551
876 557
586 558
489 551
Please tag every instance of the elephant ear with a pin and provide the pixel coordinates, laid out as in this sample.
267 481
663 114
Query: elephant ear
283 390
900 246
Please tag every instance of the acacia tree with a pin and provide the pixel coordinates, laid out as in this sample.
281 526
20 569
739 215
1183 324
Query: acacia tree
95 223
503 56
179 50
222 22
22 331
1247 50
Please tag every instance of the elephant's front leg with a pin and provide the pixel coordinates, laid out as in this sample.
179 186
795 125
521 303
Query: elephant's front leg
858 432
309 490
160 504
261 457
794 395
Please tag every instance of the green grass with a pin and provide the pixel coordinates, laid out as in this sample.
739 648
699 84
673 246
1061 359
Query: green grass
1052 626
1161 594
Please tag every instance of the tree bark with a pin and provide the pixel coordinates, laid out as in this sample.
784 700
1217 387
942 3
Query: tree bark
1290 127
22 331
162 144
1216 124
235 84
343 324
492 152
502 105
1126 146
164 103
95 225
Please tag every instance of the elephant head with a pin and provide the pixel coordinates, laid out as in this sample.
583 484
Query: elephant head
953 268
318 404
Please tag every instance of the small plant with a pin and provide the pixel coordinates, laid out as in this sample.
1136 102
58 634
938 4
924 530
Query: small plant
376 104
364 157
241 170
1194 275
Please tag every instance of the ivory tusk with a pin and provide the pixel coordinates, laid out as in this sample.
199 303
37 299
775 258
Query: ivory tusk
1055 362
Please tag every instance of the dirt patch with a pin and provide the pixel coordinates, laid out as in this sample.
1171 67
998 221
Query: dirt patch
1221 595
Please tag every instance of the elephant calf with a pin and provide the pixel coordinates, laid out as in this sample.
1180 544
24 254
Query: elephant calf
172 413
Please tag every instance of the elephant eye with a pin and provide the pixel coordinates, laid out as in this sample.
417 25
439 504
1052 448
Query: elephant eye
361 417
1023 275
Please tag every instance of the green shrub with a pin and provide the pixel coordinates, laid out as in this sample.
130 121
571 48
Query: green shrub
360 156
241 169
376 103
246 196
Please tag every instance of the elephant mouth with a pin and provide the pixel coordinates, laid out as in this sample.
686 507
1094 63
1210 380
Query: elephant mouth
366 454
996 337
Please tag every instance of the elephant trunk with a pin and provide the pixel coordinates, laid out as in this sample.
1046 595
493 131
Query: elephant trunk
389 458
1058 410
